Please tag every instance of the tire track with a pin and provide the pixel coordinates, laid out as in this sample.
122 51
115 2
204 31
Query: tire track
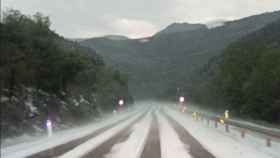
63 148
152 146
195 148
106 147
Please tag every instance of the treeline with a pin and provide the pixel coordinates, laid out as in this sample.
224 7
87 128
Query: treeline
245 78
43 75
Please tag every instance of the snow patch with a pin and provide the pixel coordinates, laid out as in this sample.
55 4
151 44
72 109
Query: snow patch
91 144
215 23
4 99
83 100
170 143
38 129
134 145
222 144
14 99
31 107
63 93
144 40
29 89
76 103
43 93
43 143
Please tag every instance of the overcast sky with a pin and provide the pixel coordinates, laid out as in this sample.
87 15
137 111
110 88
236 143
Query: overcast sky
134 18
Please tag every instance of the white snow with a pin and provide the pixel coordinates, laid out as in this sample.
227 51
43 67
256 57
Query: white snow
211 113
42 143
14 99
144 40
4 99
63 93
37 128
134 145
170 143
83 100
43 92
76 103
218 142
29 103
91 144
29 89
255 140
255 125
216 23
222 144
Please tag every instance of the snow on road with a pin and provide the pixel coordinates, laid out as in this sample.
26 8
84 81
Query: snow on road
215 140
170 143
91 144
61 137
257 141
212 113
134 145
219 143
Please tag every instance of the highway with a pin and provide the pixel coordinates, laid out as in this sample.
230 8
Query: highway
152 130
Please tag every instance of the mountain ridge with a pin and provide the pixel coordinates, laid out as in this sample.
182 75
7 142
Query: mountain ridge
180 27
172 57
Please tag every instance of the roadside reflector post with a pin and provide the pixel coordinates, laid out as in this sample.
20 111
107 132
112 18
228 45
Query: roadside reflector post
227 127
216 124
226 114
194 115
242 133
49 127
181 99
121 102
222 121
202 118
268 142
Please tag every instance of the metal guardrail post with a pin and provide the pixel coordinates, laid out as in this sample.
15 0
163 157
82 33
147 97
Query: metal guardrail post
244 127
268 142
227 127
216 124
242 133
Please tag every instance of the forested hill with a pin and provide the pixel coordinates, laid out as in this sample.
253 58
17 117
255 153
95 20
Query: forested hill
43 76
165 61
246 77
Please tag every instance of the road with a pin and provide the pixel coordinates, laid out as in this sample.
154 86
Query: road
156 132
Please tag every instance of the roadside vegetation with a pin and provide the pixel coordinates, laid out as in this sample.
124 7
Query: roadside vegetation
44 76
245 78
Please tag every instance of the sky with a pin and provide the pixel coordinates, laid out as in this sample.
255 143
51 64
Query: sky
134 18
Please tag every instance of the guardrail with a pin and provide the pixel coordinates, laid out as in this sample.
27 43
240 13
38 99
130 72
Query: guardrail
244 128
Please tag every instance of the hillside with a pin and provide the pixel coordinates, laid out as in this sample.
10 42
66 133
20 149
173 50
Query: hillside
245 78
165 61
43 76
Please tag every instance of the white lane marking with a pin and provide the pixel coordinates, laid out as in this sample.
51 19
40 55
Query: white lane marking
170 143
219 145
93 143
62 137
134 145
